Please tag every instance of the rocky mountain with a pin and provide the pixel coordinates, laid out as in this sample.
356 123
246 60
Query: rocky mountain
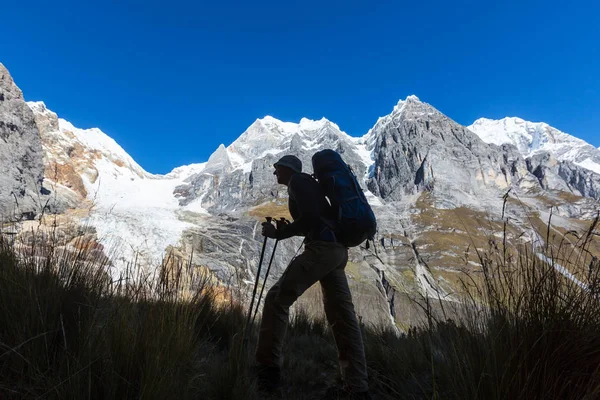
132 211
559 160
438 190
241 175
21 164
536 137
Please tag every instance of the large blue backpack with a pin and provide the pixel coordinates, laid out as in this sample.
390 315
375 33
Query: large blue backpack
355 220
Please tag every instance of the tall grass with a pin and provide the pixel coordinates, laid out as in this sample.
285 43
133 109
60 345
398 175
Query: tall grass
527 330
531 324
68 331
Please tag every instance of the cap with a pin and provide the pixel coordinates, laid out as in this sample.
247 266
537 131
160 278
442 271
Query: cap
291 162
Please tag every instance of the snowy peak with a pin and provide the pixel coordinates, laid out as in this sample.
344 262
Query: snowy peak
218 162
529 137
66 144
39 107
46 120
272 125
270 135
409 101
284 129
533 137
410 108
135 212
95 140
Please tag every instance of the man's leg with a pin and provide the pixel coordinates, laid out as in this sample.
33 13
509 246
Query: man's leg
317 260
340 313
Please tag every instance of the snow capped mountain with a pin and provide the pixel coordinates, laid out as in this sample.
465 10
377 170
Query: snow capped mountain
218 162
534 137
239 176
136 213
91 140
412 103
269 135
431 183
133 211
95 140
408 109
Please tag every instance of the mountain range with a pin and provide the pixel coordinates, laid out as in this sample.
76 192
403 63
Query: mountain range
438 189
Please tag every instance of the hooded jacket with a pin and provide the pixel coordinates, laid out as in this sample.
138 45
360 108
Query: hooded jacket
310 210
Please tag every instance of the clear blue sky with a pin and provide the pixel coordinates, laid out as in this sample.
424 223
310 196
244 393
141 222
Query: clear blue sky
171 80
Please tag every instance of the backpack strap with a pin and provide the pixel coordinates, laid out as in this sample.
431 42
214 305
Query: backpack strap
356 188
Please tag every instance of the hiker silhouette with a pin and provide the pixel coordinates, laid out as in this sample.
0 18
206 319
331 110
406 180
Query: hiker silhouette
323 260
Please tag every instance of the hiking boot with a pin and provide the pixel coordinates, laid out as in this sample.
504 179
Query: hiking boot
338 393
268 378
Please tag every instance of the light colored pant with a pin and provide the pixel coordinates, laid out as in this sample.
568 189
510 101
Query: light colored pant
322 262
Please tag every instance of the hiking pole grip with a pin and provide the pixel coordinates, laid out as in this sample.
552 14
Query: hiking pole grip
281 222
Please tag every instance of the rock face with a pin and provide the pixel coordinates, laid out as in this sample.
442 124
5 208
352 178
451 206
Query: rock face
21 166
580 180
558 160
564 175
60 157
417 148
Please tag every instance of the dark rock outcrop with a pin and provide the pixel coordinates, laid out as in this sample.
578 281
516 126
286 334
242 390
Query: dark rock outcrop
21 166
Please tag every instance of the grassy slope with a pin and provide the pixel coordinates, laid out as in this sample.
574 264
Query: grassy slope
67 332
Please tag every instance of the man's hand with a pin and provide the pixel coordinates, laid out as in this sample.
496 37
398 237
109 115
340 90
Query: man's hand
281 222
269 230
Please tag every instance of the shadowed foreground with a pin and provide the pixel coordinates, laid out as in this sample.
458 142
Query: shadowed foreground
68 332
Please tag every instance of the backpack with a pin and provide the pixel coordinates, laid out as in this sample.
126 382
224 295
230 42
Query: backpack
355 221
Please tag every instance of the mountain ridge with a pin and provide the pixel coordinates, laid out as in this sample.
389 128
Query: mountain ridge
193 189
533 137
306 125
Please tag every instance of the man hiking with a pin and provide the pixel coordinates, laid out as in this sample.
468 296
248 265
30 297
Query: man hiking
323 260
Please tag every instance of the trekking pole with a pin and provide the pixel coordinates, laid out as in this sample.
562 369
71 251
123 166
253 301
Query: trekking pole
262 255
265 281
282 221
